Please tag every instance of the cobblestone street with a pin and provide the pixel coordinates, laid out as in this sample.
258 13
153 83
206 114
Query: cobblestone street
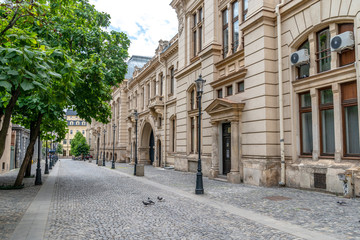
91 202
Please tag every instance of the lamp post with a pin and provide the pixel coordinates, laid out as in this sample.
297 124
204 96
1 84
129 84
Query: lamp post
104 149
90 160
98 145
113 160
46 159
136 116
50 159
38 169
199 180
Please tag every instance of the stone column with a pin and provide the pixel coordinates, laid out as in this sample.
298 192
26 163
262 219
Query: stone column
337 121
315 124
234 175
214 171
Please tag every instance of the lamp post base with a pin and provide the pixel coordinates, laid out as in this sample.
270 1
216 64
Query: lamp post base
199 184
46 168
113 165
38 177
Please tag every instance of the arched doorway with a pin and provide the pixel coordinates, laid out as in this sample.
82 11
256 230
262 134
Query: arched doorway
151 147
159 152
146 150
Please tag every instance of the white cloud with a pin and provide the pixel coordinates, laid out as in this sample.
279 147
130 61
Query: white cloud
144 21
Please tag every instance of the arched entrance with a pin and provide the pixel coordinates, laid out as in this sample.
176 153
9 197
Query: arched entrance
151 147
159 152
147 145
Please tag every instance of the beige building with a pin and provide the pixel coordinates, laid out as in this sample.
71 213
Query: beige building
5 160
299 128
75 124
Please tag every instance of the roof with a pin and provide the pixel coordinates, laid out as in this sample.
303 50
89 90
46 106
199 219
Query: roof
135 60
71 113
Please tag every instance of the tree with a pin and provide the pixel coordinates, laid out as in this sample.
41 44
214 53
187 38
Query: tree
93 59
79 145
59 149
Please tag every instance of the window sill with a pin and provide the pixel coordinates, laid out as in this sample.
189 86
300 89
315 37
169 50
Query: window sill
351 158
305 156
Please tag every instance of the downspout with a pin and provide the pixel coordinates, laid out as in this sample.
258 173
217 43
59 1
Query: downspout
165 110
281 107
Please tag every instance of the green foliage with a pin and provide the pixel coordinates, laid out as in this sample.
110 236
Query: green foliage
79 145
59 148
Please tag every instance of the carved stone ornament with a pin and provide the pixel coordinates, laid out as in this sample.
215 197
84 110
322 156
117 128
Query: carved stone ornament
180 10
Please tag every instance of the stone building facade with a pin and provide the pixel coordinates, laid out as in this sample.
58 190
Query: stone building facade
299 128
75 124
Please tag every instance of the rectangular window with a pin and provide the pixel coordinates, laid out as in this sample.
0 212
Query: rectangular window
200 38
240 86
245 9
225 30
229 90
195 20
350 119
71 131
219 93
304 70
306 136
194 42
200 15
192 144
235 26
161 84
324 54
327 133
347 56
173 135
192 100
172 81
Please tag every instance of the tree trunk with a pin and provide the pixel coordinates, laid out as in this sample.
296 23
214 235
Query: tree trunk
7 118
34 133
28 168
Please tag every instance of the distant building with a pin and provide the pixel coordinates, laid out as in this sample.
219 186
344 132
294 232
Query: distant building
75 124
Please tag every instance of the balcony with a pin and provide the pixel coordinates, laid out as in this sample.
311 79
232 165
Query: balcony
156 105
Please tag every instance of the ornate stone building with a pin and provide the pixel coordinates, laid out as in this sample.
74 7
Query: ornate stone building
75 124
299 128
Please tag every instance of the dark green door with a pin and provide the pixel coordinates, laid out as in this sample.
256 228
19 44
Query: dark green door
226 133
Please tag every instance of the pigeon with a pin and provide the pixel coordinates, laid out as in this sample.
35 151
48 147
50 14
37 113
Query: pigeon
161 199
150 201
341 202
145 203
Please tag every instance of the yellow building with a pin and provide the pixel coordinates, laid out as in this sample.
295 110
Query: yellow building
75 124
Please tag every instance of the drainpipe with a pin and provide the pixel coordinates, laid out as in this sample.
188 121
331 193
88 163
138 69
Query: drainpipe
357 59
164 64
281 107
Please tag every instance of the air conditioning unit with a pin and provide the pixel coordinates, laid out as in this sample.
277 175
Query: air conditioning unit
300 57
342 41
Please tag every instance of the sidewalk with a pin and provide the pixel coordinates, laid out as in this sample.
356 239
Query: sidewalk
14 203
311 210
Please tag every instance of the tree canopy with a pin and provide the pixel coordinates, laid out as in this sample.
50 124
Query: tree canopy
56 54
79 145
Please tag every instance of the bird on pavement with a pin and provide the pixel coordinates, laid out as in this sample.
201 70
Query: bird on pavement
150 201
161 199
341 202
146 203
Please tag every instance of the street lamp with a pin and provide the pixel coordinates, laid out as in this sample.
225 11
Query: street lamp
104 148
50 159
199 181
136 116
38 169
98 145
46 160
113 160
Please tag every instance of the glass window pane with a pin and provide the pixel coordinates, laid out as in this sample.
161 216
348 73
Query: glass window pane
324 54
326 96
235 9
352 130
306 131
225 17
235 35
200 15
327 129
225 41
229 90
305 100
240 86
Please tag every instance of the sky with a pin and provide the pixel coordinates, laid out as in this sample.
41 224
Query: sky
144 21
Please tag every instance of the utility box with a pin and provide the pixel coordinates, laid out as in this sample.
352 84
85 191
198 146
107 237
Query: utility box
139 170
351 182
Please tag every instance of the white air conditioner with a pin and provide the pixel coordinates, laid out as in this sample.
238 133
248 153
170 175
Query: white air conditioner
300 57
342 41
